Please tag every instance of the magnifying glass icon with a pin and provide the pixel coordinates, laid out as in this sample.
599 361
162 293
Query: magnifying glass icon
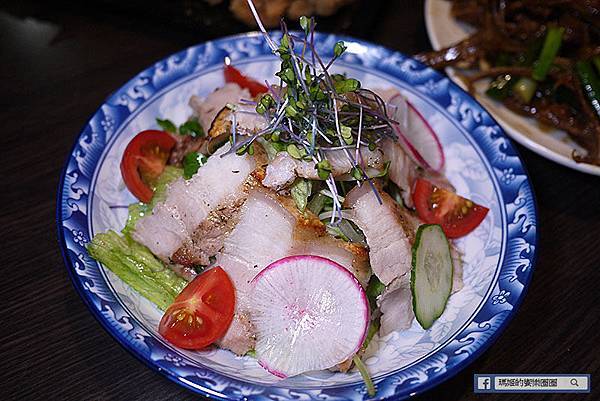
574 382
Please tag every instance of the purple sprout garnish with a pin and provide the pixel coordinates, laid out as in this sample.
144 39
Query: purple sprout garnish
313 112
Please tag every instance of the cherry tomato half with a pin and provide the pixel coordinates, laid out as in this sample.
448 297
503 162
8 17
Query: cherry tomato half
144 160
457 216
232 74
201 313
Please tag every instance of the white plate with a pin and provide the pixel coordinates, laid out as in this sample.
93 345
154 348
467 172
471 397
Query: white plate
443 31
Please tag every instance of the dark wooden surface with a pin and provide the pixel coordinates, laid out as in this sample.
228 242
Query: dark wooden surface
59 61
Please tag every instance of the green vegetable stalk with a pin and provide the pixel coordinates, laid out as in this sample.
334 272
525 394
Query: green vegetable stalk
552 44
591 84
525 88
365 375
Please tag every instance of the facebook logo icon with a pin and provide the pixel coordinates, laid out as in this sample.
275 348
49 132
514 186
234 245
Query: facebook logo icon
484 383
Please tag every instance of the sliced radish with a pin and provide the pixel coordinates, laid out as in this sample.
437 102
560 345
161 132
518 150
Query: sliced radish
309 313
416 135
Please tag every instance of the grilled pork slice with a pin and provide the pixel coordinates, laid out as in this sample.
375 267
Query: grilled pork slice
247 121
207 109
284 169
457 272
189 202
268 230
396 306
207 239
402 171
395 303
263 235
387 231
353 257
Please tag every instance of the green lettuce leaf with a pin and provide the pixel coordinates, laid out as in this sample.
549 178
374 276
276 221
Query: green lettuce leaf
138 267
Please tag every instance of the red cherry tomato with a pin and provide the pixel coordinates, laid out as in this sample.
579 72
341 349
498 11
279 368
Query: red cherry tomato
457 216
232 74
144 160
201 313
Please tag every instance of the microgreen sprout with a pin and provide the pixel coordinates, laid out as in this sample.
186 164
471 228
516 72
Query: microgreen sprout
314 112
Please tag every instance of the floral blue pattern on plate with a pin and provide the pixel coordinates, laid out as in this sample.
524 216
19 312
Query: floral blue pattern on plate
481 163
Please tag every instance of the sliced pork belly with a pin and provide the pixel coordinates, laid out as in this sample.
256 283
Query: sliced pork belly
268 231
208 238
281 172
396 306
263 235
402 170
247 121
207 109
284 169
395 302
457 272
353 257
189 202
387 232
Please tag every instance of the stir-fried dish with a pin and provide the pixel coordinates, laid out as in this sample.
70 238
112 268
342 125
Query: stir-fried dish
292 221
543 60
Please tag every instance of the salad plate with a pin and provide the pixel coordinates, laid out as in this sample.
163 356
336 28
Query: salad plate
481 164
553 144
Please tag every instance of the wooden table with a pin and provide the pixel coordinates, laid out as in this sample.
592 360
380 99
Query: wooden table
58 64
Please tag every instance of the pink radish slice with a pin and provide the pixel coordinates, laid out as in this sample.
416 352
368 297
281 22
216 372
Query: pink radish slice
309 313
416 135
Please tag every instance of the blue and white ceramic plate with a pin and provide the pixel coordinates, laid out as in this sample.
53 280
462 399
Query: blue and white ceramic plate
481 163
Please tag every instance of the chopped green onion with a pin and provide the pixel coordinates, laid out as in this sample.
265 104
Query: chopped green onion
525 89
260 108
550 49
275 136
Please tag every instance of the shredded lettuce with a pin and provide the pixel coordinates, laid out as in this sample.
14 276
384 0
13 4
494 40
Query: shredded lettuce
137 266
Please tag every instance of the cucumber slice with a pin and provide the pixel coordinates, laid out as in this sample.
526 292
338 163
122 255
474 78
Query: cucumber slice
431 274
